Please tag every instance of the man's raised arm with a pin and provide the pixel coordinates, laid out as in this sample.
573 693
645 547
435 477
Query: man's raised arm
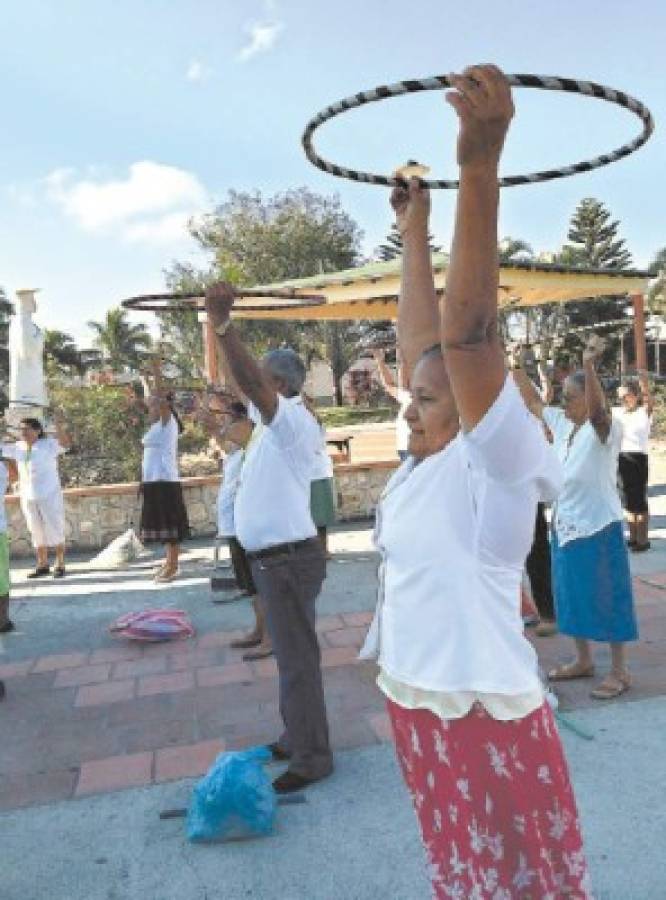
246 372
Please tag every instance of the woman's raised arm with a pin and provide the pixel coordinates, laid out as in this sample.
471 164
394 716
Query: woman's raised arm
470 342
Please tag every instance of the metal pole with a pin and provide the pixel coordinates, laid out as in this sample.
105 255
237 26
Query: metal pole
639 332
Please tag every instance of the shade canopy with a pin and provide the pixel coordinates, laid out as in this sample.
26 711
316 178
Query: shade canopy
371 291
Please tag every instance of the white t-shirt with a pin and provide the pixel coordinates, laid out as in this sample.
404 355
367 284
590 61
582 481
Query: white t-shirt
233 462
273 499
402 429
37 466
323 464
160 452
4 478
589 500
636 428
454 531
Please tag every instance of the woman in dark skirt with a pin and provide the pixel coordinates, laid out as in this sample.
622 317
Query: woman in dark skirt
635 417
163 513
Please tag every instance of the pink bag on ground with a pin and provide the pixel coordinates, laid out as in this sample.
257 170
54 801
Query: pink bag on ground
153 625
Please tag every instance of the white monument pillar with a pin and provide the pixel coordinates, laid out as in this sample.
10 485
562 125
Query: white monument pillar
27 386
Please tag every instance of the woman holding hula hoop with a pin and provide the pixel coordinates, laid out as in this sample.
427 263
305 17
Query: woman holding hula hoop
475 738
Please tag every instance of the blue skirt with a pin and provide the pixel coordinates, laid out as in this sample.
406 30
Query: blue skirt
592 582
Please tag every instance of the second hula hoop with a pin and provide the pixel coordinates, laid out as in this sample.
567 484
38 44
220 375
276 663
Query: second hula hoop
175 302
439 82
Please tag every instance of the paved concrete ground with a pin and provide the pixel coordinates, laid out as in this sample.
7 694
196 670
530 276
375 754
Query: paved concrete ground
354 839
96 737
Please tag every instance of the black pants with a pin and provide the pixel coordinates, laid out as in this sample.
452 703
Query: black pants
538 567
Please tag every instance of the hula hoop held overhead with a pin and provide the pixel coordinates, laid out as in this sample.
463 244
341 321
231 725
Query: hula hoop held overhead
174 302
437 83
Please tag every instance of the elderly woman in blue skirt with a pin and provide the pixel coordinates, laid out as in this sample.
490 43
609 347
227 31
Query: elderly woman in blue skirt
592 581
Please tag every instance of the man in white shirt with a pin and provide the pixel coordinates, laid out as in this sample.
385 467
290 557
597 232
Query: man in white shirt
274 525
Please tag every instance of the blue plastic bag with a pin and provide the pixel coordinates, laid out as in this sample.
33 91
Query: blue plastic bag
235 799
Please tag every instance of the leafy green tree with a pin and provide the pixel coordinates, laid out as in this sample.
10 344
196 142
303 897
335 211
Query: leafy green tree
61 355
122 344
256 240
514 250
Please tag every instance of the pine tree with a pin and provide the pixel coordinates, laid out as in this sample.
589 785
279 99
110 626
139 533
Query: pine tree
594 238
392 248
594 243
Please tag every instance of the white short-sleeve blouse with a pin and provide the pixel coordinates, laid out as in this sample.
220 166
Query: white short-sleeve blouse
453 533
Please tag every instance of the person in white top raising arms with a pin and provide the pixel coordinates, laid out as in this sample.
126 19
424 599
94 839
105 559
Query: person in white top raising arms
36 455
474 734
163 512
593 594
274 525
635 417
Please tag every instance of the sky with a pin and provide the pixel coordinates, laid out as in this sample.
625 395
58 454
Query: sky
121 119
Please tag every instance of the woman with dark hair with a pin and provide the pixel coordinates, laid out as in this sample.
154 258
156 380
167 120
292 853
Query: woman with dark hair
635 417
163 513
36 455
474 734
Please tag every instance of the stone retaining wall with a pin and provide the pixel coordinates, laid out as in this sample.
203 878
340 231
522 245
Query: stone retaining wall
96 515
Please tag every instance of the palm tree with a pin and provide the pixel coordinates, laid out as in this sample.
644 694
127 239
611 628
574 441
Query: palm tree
513 250
123 345
61 355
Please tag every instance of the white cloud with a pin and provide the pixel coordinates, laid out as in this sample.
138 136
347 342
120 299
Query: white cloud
198 72
262 37
152 203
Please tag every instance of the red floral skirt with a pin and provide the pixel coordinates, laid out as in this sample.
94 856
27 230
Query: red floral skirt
497 812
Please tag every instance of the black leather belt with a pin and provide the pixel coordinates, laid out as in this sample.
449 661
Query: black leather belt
283 549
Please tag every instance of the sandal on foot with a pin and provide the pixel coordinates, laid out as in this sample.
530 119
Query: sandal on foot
571 671
612 686
59 572
40 572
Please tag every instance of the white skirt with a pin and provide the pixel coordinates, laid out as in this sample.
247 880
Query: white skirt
45 519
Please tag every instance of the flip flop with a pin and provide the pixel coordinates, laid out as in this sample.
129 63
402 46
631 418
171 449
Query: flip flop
570 671
612 686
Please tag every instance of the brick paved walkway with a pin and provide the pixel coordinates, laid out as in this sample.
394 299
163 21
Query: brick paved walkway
121 714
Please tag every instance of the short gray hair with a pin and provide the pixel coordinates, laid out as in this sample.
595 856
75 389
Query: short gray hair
287 365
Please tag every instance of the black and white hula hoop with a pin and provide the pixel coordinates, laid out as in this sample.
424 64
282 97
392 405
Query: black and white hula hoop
168 303
437 83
